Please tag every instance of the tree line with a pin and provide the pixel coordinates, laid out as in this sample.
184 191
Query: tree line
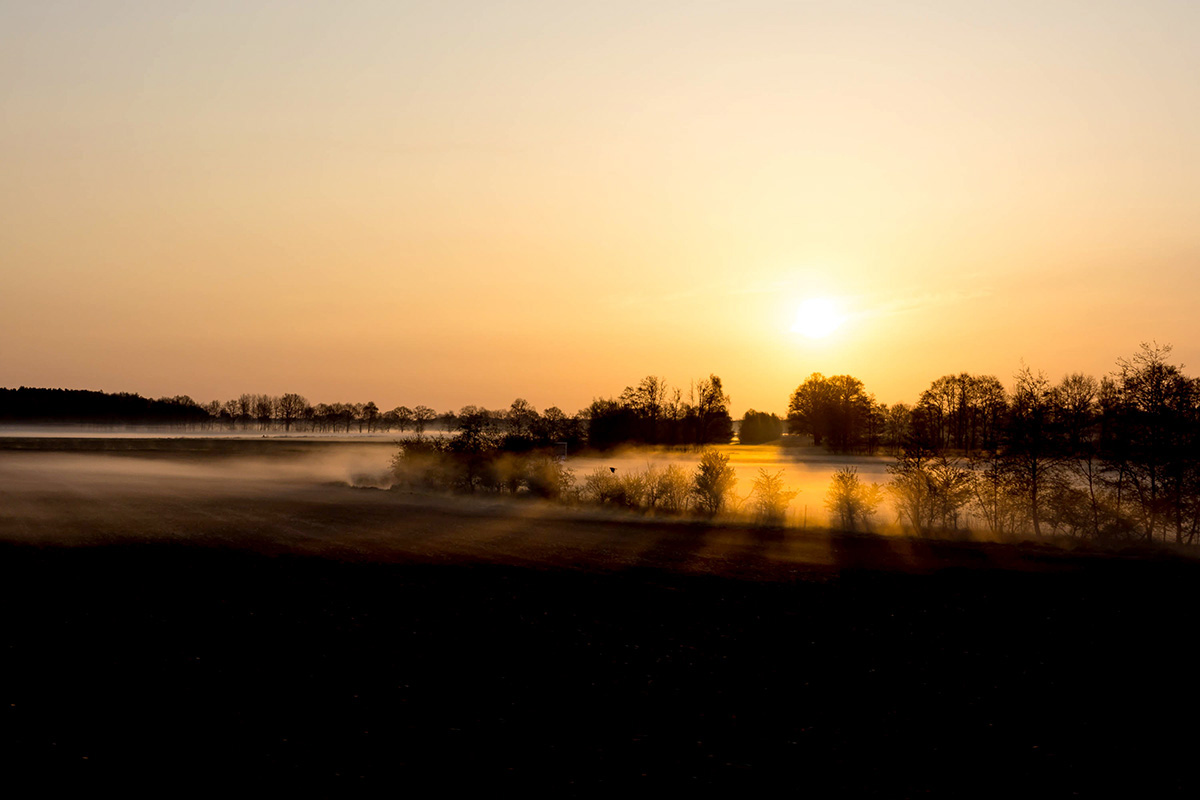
77 406
248 412
649 413
1108 458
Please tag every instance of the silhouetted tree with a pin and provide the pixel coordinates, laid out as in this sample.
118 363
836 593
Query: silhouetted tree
245 409
610 423
834 411
1033 443
370 415
264 410
897 427
520 419
808 408
229 413
291 408
758 427
647 400
422 416
1153 438
447 421
994 494
213 409
931 490
404 417
345 414
710 412
962 412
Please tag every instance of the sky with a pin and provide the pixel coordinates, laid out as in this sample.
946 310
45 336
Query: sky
449 202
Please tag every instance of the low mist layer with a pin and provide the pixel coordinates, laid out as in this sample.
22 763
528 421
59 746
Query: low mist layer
320 501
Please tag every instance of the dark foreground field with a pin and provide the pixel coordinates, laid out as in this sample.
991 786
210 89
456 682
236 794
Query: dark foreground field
327 637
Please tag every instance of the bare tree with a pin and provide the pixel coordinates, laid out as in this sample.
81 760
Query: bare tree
897 427
648 399
229 413
930 489
713 425
423 416
1157 420
245 411
1033 446
370 415
403 416
520 418
264 410
291 408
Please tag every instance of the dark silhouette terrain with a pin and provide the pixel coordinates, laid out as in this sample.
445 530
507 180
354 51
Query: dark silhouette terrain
180 632
134 662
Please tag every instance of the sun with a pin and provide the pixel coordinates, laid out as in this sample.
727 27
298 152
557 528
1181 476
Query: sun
818 317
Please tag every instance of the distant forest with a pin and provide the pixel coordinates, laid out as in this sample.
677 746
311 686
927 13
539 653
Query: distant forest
1114 457
649 413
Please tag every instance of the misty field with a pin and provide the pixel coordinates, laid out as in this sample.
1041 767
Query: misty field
191 610
175 471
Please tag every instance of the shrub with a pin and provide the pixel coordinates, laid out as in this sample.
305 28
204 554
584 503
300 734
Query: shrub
506 472
635 489
422 464
602 488
851 502
770 501
550 478
672 489
713 482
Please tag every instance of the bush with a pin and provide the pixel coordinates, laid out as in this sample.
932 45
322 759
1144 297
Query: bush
713 482
770 501
635 489
851 502
602 488
672 489
506 472
931 492
422 464
550 478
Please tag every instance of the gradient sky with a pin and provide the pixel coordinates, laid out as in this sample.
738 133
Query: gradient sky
465 202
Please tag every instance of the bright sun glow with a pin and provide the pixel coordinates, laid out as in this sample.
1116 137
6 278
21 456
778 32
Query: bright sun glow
818 317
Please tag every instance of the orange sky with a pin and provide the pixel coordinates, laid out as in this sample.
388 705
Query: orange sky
450 203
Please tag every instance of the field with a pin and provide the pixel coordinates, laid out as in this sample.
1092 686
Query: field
194 611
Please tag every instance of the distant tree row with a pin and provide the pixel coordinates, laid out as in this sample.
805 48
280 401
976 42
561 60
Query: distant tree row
650 413
259 412
1114 458
82 407
267 412
654 413
759 427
